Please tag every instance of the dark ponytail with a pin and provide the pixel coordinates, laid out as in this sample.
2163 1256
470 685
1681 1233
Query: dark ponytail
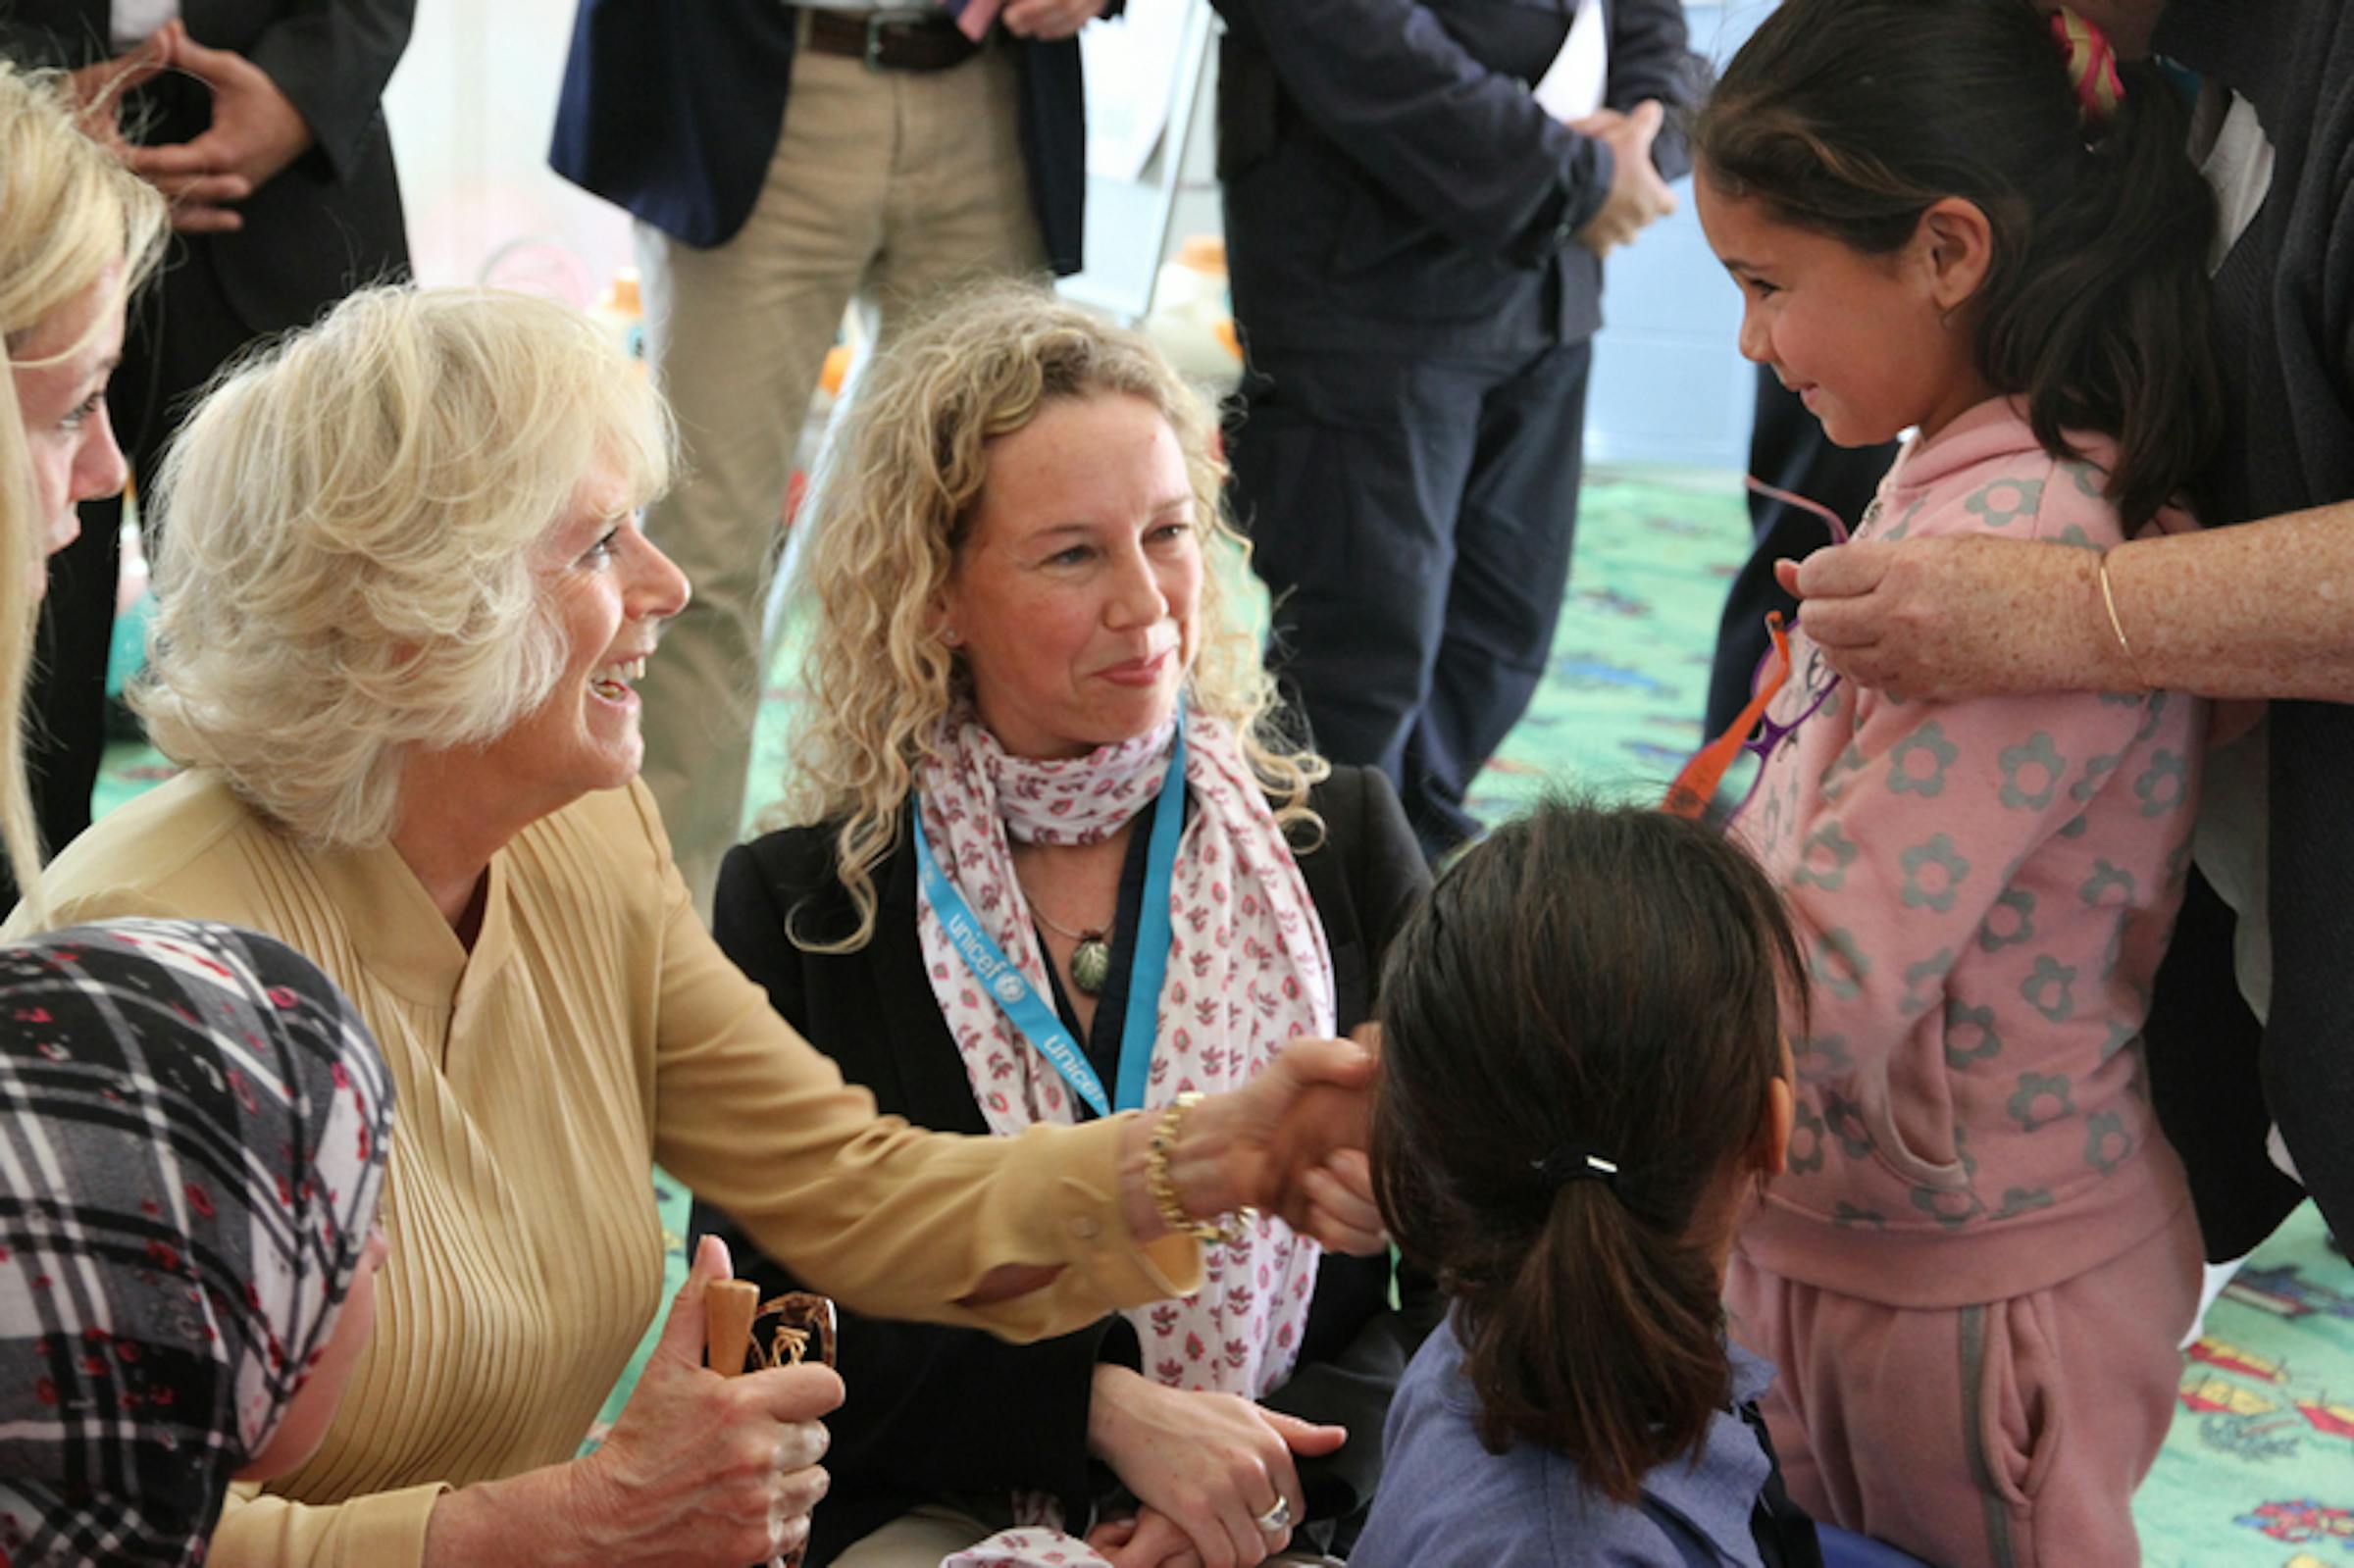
1851 117
1586 981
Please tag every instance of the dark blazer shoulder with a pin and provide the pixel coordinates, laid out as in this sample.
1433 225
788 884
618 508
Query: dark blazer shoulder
672 110
796 863
1363 873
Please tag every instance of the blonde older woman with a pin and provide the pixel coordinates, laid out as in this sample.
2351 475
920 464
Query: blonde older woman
1015 602
404 599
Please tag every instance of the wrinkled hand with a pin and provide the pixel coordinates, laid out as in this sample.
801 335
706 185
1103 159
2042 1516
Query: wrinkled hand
1950 617
1209 1463
1148 1538
1291 1142
1638 196
1050 18
256 131
702 1469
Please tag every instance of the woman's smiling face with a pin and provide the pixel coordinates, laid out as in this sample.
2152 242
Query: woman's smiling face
1076 587
608 590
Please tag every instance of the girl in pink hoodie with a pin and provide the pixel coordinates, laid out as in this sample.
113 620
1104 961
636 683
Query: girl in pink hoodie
1965 218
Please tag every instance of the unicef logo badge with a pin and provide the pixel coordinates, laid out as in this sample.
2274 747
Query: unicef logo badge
1009 986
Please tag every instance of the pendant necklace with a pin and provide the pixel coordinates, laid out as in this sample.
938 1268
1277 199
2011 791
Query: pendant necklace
1091 960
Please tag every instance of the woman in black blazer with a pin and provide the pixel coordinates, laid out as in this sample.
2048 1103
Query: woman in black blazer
1021 626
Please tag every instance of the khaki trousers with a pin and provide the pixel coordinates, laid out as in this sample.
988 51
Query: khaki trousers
887 186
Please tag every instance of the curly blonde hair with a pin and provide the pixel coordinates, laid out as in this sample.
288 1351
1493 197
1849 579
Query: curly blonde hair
69 211
348 523
907 471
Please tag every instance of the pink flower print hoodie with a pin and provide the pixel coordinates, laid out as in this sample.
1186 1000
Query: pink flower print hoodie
1983 890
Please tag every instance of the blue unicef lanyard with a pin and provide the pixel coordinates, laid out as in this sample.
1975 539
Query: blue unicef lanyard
1148 961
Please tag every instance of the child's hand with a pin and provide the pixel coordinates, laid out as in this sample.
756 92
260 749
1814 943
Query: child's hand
1149 1540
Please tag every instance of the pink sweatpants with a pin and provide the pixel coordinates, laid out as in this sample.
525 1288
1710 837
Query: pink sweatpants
2009 1435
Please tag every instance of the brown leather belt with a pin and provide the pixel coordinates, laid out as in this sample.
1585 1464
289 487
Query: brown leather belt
894 43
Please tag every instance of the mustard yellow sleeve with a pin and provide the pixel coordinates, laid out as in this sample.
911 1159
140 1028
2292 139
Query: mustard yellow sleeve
893 1221
385 1530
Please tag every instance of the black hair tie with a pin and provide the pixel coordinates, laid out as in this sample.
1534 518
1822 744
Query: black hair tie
1574 1161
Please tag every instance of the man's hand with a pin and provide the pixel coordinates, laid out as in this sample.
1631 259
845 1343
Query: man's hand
1638 196
99 87
256 131
1050 18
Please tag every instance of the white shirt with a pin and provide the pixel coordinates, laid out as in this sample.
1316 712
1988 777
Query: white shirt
2232 842
131 20
1572 86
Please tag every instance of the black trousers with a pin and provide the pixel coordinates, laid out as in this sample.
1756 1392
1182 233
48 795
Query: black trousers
181 328
1788 449
1413 519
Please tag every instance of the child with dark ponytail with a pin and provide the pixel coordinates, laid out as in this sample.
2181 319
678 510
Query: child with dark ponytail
1968 219
1583 1084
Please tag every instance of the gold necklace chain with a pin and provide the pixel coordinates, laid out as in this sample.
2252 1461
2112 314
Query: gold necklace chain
1060 930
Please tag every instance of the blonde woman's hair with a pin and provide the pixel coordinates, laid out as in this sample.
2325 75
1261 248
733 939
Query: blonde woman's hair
905 476
348 523
69 211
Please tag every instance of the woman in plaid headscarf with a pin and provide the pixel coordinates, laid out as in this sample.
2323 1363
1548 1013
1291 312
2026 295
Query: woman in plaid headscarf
192 1134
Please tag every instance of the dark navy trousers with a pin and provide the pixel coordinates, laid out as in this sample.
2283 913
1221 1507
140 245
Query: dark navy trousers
1412 518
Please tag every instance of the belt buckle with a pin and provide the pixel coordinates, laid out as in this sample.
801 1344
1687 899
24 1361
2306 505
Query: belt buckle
874 41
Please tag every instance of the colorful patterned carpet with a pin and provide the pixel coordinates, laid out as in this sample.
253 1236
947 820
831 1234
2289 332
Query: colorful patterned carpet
2259 1469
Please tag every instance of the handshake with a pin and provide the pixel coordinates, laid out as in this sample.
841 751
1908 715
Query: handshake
1292 1141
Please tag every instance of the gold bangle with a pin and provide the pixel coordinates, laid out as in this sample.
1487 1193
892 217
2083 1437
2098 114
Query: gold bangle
2109 602
1226 1230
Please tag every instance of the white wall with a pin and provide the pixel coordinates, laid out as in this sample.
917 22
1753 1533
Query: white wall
1668 385
470 108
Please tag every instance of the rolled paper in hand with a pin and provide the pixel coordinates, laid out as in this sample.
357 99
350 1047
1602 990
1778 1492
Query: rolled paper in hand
729 1306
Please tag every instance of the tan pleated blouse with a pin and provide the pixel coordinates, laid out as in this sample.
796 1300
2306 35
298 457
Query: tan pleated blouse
594 1031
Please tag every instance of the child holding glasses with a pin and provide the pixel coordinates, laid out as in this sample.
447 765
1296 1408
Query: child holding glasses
1967 218
1583 1086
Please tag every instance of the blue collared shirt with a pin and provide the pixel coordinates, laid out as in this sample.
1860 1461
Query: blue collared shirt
1447 1503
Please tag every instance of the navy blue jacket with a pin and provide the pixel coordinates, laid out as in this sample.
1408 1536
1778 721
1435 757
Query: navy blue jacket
672 109
1392 185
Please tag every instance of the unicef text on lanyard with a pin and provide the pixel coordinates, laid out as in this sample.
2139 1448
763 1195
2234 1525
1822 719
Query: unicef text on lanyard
1147 963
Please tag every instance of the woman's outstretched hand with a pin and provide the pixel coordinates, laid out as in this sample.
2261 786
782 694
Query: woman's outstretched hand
700 1471
1944 618
1292 1143
1204 1465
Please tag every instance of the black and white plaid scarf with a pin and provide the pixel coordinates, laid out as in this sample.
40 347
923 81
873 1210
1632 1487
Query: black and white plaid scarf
193 1125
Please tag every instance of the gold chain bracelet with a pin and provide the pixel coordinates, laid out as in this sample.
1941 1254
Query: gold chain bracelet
2118 626
1226 1230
